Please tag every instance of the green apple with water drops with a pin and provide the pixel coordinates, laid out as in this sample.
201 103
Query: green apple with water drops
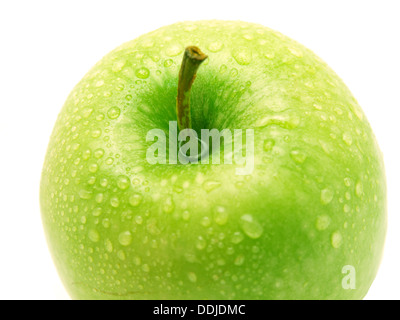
119 227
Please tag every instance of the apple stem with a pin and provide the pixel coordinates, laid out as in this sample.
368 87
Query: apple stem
192 59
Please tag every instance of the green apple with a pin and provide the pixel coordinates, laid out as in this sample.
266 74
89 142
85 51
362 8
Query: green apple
308 223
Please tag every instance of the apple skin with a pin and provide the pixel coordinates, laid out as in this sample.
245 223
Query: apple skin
120 228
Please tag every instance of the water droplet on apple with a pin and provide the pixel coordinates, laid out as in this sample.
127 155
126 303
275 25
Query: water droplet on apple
237 237
206 222
326 147
215 46
106 223
152 227
168 63
347 138
97 212
87 112
177 189
96 133
298 156
223 68
100 117
137 169
142 73
114 112
120 87
174 50
86 154
269 55
114 202
336 239
104 182
220 215
139 219
146 268
93 168
125 238
326 196
234 72
92 180
285 121
239 260
296 52
135 200
323 222
278 284
269 144
99 153
248 36
84 194
201 243
109 161
347 182
242 55
317 106
99 198
359 189
94 236
190 257
169 205
109 245
192 277
118 65
251 227
239 184
208 186
123 182
221 262
186 215
121 255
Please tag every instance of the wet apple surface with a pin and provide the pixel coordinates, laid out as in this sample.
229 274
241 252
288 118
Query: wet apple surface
119 227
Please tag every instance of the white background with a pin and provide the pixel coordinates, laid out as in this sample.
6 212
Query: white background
47 46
